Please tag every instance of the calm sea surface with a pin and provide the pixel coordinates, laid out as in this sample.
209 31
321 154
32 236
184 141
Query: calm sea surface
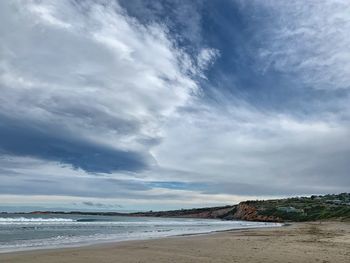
27 232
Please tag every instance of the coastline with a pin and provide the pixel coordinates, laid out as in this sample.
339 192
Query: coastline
298 242
99 242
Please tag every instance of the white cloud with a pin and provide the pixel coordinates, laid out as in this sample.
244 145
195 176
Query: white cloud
92 69
278 152
46 13
307 38
207 56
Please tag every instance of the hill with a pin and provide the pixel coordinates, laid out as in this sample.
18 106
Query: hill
279 210
297 209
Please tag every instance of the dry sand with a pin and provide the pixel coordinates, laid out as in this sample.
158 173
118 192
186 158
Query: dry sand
300 242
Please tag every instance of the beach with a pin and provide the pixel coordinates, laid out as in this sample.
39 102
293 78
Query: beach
298 242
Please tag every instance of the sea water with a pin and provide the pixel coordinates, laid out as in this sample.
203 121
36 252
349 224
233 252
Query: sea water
29 231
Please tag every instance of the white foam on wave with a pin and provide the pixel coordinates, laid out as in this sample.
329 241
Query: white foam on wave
33 220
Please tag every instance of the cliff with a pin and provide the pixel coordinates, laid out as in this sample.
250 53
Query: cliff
242 211
221 212
278 210
248 212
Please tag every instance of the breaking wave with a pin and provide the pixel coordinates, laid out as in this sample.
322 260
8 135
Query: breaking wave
9 220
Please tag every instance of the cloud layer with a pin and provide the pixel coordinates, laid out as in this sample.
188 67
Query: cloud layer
126 102
86 85
309 39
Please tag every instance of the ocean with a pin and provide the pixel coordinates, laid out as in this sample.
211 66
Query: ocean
20 232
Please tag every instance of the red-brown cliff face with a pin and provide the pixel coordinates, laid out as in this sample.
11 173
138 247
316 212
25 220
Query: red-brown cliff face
223 212
243 211
250 213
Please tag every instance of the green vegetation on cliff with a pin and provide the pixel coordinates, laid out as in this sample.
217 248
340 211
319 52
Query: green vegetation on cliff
305 208
278 210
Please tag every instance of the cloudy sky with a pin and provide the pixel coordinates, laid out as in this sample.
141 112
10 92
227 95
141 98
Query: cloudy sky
143 104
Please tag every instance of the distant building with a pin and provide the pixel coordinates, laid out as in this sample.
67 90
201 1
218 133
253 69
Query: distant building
335 202
290 209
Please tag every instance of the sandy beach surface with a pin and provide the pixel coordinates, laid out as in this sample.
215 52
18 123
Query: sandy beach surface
299 242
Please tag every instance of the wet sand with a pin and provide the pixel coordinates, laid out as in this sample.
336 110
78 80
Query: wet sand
300 242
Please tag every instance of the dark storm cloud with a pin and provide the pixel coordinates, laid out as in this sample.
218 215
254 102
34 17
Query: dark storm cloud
19 138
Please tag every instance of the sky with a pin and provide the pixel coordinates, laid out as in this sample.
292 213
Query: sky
146 104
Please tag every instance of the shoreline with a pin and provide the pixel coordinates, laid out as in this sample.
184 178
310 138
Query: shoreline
299 242
88 244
